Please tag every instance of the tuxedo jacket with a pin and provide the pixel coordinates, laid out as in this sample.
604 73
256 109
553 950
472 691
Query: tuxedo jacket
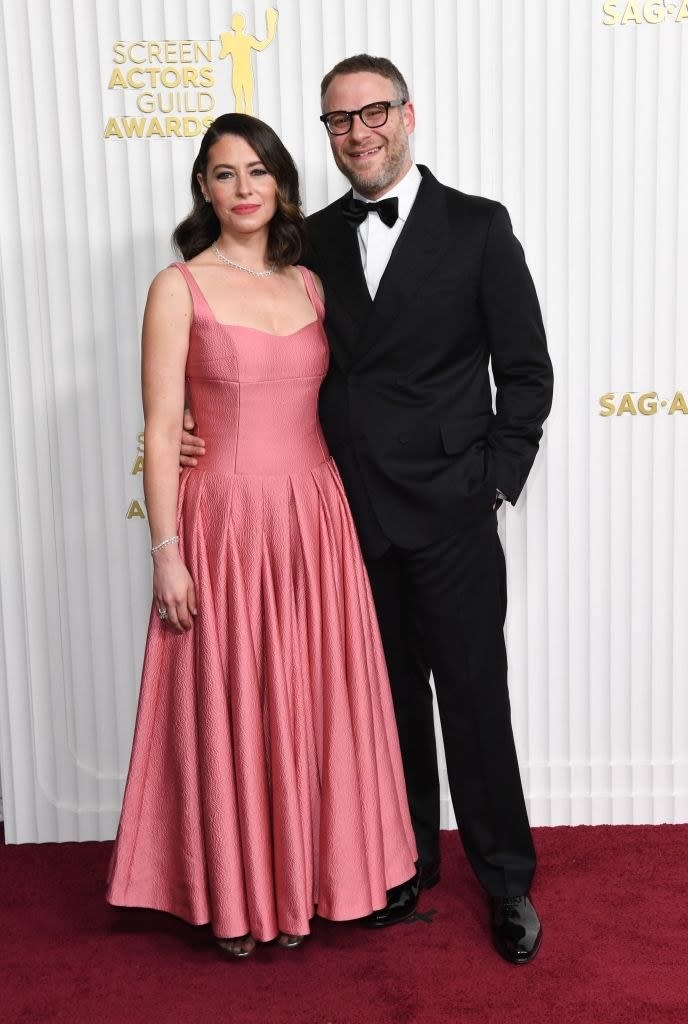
406 405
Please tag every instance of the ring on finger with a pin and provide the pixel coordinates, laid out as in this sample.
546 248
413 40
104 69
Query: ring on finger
162 612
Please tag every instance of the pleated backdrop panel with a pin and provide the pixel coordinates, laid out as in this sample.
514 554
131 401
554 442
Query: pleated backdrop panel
580 128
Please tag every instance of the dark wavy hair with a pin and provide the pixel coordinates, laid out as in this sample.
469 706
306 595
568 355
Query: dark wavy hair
286 235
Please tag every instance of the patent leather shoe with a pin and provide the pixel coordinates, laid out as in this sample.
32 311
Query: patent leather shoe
516 929
401 904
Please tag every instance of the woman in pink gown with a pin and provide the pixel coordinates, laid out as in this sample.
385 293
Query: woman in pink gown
265 780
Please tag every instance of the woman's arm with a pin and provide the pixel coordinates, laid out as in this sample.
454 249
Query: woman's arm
166 326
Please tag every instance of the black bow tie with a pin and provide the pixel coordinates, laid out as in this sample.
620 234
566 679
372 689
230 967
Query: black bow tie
356 211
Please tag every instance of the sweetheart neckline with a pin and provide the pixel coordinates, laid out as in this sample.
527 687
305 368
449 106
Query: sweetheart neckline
272 334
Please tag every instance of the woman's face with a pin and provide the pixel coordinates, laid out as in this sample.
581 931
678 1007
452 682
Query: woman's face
237 183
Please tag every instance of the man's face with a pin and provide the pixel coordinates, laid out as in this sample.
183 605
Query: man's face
373 159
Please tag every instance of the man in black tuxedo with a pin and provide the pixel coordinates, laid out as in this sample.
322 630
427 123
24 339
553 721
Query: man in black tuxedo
422 293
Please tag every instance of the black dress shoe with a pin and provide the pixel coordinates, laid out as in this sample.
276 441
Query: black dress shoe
429 873
516 930
401 904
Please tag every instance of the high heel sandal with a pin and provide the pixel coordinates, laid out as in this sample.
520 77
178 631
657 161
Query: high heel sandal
290 941
234 948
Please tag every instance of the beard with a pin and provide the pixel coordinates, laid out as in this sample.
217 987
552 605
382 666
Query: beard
375 182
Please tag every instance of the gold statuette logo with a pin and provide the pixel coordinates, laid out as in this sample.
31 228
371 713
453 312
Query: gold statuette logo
240 46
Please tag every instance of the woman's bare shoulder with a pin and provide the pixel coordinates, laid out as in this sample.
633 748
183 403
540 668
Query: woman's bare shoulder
168 279
168 288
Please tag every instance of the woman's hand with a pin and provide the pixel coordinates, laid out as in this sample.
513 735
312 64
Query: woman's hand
173 589
192 447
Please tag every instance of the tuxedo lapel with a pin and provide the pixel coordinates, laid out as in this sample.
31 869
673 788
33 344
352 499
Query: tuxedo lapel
338 261
420 246
340 258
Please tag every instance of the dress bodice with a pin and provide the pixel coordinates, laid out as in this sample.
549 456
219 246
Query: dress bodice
254 394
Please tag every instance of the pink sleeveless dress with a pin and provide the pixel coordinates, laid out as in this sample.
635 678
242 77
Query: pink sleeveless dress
265 777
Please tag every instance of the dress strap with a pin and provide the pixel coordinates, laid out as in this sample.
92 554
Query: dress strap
197 297
312 291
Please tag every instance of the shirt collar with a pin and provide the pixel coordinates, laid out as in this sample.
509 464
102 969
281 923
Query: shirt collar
405 190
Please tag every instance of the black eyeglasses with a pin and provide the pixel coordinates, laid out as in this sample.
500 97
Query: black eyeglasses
373 115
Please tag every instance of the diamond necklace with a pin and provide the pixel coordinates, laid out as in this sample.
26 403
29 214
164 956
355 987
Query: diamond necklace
239 266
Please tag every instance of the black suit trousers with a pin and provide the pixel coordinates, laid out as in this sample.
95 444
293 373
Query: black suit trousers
442 608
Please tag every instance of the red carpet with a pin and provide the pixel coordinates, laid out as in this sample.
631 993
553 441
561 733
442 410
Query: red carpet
614 902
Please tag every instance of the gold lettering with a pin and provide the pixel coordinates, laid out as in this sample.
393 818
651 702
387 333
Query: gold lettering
208 75
190 77
134 126
135 511
170 78
647 403
133 58
135 78
169 102
168 51
633 12
654 12
607 404
138 465
626 405
166 104
679 404
139 441
611 15
155 128
112 128
146 102
192 127
117 80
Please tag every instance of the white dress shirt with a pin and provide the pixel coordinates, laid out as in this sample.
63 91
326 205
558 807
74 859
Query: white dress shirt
375 239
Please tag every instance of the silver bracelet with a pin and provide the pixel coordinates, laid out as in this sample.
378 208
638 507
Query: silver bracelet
164 543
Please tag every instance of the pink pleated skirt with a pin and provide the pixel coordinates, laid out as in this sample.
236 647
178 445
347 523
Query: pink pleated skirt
265 782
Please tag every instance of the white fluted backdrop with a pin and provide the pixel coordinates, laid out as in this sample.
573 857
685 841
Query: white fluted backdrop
581 129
